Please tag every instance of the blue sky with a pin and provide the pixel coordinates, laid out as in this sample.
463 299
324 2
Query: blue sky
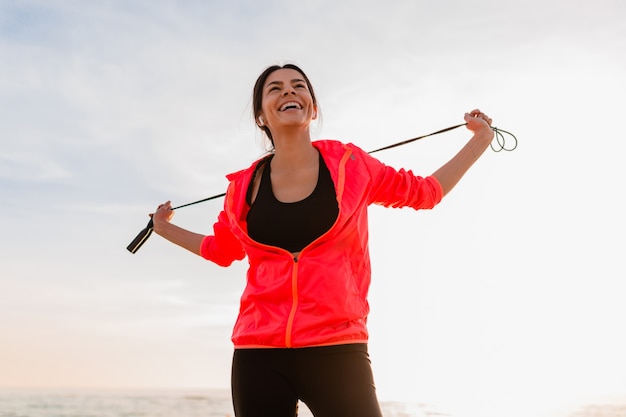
509 292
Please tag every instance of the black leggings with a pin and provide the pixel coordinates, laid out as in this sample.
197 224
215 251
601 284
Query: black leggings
333 381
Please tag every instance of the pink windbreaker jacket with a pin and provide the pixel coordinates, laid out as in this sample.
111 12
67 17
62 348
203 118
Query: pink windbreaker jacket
320 297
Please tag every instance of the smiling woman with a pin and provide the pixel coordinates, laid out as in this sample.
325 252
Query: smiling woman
300 216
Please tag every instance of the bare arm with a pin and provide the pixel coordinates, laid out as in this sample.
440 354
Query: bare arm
453 170
175 234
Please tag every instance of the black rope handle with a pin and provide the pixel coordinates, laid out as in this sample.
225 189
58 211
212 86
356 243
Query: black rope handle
499 138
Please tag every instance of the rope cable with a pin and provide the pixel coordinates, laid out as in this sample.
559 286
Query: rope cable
498 138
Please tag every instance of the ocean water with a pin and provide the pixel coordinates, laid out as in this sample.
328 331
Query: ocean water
144 403
191 403
113 403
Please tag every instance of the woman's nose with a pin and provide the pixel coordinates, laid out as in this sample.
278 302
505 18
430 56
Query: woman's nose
289 90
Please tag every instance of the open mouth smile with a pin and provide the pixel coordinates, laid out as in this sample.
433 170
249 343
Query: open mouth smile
290 105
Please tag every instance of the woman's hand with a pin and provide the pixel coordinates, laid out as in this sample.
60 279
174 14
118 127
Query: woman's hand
477 121
183 238
162 215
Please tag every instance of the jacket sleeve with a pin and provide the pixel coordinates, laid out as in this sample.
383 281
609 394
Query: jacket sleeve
401 188
222 247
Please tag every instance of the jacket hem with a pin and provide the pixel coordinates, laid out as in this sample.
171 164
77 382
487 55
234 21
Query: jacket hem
338 342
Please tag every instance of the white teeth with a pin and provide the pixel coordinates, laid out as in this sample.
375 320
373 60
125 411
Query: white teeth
290 104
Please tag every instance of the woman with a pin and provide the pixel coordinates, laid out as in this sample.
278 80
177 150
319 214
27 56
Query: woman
300 216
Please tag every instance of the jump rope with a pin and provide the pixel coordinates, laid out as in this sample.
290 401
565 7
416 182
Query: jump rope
500 145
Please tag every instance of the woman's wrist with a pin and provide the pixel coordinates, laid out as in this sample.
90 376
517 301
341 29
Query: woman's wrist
484 131
159 226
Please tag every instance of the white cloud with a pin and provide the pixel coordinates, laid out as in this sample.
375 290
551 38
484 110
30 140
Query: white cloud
29 167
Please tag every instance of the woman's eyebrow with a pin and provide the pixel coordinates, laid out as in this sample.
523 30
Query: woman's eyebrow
274 83
295 80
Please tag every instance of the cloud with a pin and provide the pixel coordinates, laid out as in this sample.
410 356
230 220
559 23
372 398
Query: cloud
30 168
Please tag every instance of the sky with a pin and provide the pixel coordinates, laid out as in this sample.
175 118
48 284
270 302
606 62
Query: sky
506 299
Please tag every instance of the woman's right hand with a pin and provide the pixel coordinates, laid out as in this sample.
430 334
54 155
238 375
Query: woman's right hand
162 215
181 237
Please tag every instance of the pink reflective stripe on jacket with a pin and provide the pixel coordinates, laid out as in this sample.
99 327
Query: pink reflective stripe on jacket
320 297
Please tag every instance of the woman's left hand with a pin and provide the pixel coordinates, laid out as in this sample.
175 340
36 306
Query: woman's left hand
477 120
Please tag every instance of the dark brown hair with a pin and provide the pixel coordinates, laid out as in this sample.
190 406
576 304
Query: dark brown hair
257 93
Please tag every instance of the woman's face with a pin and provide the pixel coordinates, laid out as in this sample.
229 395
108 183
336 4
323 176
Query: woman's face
287 101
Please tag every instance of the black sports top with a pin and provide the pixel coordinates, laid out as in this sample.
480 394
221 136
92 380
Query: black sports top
292 226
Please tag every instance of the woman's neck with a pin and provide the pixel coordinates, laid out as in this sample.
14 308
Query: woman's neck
293 151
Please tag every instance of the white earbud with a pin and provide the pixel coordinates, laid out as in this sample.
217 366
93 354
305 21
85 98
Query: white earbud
261 122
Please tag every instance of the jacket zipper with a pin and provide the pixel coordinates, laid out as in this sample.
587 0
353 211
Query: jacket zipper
294 302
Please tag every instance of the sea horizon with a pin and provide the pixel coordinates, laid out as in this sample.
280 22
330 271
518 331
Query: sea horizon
150 402
200 402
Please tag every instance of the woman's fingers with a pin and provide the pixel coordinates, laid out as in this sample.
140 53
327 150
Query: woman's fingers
164 211
480 115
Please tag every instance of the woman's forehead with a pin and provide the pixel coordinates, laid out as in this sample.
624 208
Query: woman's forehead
284 75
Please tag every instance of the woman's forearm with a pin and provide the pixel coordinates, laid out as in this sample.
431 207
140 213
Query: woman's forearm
179 236
452 171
